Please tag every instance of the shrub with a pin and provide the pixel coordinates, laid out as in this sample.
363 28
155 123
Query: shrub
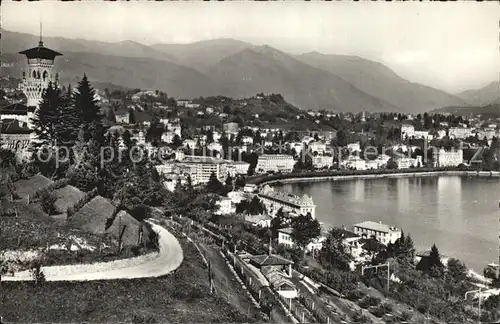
37 274
354 295
47 200
359 317
369 301
378 311
406 316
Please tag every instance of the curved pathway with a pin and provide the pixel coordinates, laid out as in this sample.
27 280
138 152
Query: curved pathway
155 264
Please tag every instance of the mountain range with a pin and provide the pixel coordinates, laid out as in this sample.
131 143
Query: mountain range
234 68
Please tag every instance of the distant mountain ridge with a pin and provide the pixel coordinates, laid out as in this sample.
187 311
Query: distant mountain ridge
490 94
234 68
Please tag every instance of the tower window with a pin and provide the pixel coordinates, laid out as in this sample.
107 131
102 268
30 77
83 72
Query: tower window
34 74
45 75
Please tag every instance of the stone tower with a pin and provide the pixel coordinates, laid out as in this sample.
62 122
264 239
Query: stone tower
39 73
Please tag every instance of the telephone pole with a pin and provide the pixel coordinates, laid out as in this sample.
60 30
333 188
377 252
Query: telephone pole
363 268
478 291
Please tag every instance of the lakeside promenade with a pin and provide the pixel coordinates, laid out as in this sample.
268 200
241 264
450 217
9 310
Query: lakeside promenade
323 176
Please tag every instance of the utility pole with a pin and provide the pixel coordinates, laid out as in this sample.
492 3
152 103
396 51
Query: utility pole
363 268
210 280
478 291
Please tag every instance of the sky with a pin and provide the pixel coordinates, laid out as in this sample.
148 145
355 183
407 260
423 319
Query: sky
449 46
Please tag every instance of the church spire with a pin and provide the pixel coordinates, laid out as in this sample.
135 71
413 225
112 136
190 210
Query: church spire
40 43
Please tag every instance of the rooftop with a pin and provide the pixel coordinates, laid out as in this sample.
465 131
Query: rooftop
268 191
379 227
269 260
15 109
40 52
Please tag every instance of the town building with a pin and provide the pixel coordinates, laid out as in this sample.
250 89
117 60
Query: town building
322 161
225 206
407 131
459 132
250 188
259 220
354 147
231 128
355 163
317 146
275 200
275 163
285 238
451 158
406 162
383 233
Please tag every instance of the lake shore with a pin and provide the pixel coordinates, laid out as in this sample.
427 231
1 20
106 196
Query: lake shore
321 177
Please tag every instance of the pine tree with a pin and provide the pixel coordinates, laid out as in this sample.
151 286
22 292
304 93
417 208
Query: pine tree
90 114
47 119
70 122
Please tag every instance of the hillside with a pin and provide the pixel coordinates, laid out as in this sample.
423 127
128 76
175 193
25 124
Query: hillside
488 110
489 94
265 69
378 80
201 55
143 73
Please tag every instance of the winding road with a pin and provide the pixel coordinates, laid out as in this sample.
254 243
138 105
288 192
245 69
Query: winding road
167 259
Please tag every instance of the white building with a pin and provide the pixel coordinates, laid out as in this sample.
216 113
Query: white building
407 131
459 132
214 147
423 134
250 188
405 162
225 206
275 163
451 158
354 147
247 140
275 200
240 167
383 233
355 162
167 137
322 161
285 238
259 220
319 147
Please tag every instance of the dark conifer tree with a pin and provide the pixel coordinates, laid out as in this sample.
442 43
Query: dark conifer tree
47 118
90 114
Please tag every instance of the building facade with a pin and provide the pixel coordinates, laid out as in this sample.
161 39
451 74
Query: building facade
383 233
275 200
275 163
451 158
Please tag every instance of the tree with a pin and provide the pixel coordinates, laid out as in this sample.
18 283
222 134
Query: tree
432 264
456 269
214 185
47 118
277 222
305 229
131 116
391 164
333 253
47 200
91 116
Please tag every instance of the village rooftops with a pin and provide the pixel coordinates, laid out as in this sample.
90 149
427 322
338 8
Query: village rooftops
378 227
284 197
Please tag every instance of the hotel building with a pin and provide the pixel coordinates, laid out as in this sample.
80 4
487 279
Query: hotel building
383 233
275 162
275 200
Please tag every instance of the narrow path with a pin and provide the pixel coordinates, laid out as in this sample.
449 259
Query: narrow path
156 264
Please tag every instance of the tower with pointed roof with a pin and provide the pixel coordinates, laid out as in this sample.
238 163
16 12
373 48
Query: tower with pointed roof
39 73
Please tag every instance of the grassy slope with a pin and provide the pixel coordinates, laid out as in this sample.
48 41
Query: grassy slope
179 297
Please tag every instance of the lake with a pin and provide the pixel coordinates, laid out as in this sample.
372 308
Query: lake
459 214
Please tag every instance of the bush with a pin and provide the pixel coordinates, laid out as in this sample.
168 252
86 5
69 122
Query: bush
37 274
359 317
354 295
47 200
